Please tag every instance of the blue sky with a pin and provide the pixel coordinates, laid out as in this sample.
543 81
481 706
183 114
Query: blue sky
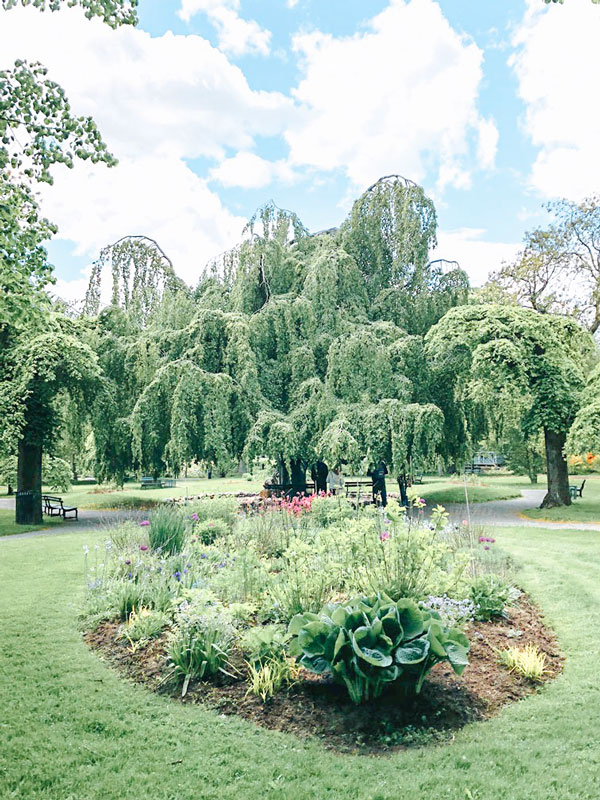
216 106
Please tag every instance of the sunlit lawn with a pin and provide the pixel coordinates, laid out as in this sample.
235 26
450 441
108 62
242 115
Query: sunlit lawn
8 526
583 509
71 728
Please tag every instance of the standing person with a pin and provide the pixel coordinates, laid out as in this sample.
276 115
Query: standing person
377 475
319 474
335 480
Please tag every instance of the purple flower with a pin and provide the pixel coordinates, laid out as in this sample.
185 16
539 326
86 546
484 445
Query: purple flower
128 562
203 555
222 564
487 547
145 522
177 575
195 517
129 575
143 547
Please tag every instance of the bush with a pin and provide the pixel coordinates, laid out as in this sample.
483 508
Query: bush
372 641
201 642
143 625
167 529
490 594
263 643
224 508
208 530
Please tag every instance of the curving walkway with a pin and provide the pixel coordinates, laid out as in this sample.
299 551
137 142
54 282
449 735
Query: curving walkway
507 513
494 512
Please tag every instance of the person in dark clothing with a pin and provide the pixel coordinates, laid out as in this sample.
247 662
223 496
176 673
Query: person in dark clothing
319 475
377 475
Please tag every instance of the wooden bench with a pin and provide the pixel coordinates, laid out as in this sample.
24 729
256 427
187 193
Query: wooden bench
158 483
472 469
357 490
577 491
54 507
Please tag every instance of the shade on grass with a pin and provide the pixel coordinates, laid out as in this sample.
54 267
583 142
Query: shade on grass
583 509
8 526
70 728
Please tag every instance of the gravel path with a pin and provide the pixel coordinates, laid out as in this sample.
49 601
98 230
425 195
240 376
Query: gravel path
494 512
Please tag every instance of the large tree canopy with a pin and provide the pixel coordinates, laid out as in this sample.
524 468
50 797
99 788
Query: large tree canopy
481 354
283 353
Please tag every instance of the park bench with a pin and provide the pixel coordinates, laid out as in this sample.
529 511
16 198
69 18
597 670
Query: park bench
577 491
359 491
54 507
158 483
472 469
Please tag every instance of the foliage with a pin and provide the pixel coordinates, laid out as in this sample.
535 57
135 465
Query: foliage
527 661
453 613
481 352
372 641
112 12
559 268
263 643
269 676
490 594
207 531
200 643
167 530
142 625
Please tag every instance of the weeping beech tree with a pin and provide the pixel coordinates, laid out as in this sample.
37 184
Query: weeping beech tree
140 271
539 359
279 350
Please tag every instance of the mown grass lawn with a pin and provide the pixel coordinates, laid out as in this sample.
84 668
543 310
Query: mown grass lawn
584 509
70 728
481 488
8 526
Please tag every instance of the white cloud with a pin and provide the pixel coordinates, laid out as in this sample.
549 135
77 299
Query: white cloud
158 102
237 36
477 257
249 171
163 199
399 97
557 71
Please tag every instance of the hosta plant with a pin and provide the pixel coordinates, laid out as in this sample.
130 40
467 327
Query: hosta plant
372 641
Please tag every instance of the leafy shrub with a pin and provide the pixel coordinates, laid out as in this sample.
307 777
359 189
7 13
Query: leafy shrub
453 613
128 596
490 594
208 530
329 510
201 642
263 643
372 641
143 625
527 661
385 554
223 508
304 582
266 678
166 532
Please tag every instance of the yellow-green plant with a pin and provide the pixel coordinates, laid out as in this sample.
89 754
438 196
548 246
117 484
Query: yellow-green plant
267 678
528 661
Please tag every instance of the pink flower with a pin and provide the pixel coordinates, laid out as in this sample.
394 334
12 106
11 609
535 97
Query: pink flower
384 536
143 547
195 517
487 547
145 522
464 522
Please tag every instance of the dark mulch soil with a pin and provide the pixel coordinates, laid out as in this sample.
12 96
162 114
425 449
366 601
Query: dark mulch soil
317 708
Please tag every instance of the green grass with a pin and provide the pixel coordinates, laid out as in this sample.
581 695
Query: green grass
481 488
583 509
88 496
70 728
8 526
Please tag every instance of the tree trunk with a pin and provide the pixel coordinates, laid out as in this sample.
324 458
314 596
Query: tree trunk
402 485
558 477
29 480
74 468
10 490
298 476
531 470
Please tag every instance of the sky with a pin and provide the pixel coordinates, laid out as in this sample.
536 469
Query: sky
214 107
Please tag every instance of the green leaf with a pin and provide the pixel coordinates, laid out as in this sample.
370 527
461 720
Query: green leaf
413 652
